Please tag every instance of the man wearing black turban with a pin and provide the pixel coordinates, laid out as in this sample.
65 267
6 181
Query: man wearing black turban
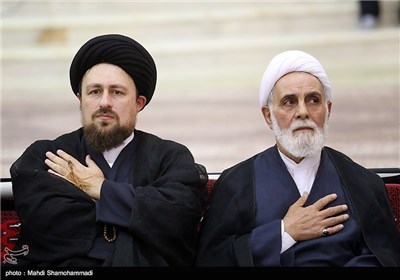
108 194
119 50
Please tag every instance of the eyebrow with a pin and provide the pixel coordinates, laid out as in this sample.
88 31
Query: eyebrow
307 94
113 86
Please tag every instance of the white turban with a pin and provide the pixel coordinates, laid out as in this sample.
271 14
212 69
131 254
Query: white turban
287 62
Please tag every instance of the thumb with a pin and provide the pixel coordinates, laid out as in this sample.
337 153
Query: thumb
89 161
302 200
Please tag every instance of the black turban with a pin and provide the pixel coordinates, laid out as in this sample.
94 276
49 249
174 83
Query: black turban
121 51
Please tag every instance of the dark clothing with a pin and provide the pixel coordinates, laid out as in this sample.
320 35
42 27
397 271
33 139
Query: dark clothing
272 177
233 228
369 8
60 222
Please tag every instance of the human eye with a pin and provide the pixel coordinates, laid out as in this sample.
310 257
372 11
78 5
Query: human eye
94 92
117 92
314 99
288 101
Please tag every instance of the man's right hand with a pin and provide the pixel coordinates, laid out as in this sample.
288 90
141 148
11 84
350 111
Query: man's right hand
304 223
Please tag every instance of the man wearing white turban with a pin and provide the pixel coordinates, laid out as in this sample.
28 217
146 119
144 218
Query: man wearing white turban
298 203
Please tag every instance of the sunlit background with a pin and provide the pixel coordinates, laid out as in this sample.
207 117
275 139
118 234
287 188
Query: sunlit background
210 57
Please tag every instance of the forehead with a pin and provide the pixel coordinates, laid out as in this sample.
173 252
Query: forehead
296 82
106 72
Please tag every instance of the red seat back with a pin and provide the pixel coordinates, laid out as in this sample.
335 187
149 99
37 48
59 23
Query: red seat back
393 191
10 228
10 224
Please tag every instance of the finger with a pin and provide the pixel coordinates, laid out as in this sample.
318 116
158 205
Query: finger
56 168
55 173
334 210
89 161
57 160
66 177
53 157
322 202
54 165
302 200
63 166
331 230
65 156
332 221
92 164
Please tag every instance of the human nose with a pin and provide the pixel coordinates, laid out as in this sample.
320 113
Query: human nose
301 110
105 100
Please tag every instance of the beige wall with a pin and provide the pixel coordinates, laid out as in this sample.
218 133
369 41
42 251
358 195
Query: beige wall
210 58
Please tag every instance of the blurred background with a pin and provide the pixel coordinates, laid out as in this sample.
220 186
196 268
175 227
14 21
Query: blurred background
210 57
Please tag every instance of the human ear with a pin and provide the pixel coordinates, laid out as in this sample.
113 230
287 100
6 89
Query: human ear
140 102
267 115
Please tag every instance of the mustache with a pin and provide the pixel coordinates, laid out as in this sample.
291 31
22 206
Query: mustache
106 111
303 123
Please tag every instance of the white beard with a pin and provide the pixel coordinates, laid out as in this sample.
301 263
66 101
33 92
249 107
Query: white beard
304 143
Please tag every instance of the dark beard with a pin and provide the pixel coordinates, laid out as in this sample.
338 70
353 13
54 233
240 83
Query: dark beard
101 141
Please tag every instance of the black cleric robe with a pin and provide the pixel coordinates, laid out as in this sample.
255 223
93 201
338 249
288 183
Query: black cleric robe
59 223
231 217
